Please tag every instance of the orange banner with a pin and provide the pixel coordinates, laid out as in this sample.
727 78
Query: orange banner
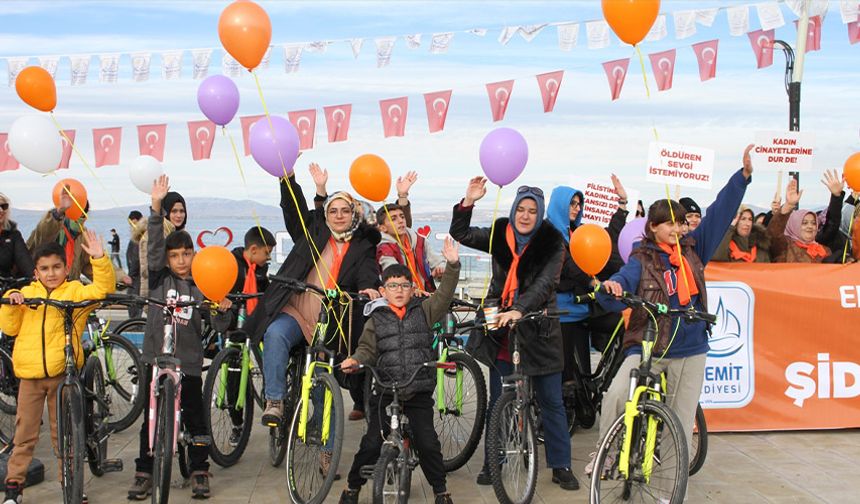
785 352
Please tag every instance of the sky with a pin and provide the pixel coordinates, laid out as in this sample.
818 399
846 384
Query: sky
587 135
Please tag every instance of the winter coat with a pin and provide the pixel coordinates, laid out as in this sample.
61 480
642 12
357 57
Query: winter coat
757 238
262 272
782 249
139 234
389 252
538 275
15 259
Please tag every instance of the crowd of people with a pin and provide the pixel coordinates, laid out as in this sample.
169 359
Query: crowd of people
340 241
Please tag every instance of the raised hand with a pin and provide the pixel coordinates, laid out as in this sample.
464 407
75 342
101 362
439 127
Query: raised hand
748 167
792 197
160 187
320 177
832 181
92 244
619 189
476 190
451 250
405 183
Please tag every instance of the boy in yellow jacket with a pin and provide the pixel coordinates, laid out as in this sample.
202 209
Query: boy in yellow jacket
38 357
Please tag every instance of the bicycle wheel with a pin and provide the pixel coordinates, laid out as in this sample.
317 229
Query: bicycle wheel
163 449
184 460
511 437
392 478
96 415
700 442
8 399
277 445
461 413
307 481
229 426
70 430
121 367
132 330
667 481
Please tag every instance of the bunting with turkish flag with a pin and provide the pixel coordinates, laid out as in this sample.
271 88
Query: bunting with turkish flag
337 122
106 145
201 134
246 122
616 71
394 116
500 95
67 148
437 109
813 34
305 122
549 83
762 44
663 65
706 55
854 32
7 161
150 138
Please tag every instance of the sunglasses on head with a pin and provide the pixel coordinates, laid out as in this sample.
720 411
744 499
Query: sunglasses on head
4 206
525 188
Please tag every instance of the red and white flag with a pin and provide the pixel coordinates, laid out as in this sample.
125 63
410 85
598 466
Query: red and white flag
762 44
813 33
616 71
247 121
305 122
706 54
106 145
549 84
500 95
337 122
663 65
150 138
394 116
67 148
201 134
437 109
7 161
854 32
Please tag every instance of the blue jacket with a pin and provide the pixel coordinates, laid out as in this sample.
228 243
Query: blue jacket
558 214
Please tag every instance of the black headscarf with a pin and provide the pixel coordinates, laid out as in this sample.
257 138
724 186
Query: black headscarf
171 199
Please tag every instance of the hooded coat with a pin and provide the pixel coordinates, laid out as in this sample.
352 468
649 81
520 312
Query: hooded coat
758 238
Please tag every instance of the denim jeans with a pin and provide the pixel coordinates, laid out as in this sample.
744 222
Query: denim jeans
547 389
279 339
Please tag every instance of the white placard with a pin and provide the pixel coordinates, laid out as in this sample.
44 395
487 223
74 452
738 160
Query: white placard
601 200
783 150
682 165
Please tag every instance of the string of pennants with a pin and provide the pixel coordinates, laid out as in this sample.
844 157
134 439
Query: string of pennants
597 36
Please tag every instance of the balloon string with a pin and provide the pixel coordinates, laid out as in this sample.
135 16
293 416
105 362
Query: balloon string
848 241
490 248
647 89
244 183
412 267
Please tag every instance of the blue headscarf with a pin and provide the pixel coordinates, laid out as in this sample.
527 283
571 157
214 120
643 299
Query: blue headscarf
558 211
523 193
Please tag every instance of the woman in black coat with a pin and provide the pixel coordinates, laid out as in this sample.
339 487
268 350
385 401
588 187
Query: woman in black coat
15 259
527 256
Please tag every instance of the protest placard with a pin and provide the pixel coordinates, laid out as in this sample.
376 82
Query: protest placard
682 165
783 150
601 200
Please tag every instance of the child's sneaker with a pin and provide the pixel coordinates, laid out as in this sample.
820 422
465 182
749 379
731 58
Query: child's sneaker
14 493
273 414
200 485
141 488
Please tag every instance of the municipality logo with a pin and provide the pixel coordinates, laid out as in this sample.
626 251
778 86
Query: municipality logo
725 339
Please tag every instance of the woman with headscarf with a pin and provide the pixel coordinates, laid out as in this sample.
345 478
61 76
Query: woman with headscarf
527 257
347 259
56 226
15 259
746 241
176 217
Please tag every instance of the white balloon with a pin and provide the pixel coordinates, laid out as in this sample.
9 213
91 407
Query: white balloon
143 172
35 142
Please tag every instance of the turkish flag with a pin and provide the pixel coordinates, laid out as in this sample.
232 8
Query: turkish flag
67 148
337 122
437 109
813 34
394 116
247 121
7 161
305 122
706 54
202 137
500 94
854 32
663 65
616 71
762 44
106 145
549 84
150 138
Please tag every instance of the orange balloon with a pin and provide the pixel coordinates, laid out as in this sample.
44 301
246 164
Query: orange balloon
245 32
631 20
78 193
851 171
590 247
37 88
370 177
214 270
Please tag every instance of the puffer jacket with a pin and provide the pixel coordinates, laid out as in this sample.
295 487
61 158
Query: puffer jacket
40 344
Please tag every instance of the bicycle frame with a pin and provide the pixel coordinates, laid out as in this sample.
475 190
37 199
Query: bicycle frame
444 333
309 369
104 353
169 368
246 363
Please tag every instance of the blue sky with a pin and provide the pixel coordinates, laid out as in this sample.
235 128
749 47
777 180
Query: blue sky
586 135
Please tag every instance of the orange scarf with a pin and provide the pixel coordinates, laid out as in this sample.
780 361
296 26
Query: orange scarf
400 312
737 253
511 282
69 247
250 286
336 262
686 286
813 249
411 262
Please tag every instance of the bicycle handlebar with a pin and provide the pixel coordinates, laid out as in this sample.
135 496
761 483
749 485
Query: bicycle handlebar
299 286
241 297
689 314
56 303
395 385
131 299
9 282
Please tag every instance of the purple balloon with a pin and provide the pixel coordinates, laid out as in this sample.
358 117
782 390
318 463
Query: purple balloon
631 233
275 148
218 99
503 154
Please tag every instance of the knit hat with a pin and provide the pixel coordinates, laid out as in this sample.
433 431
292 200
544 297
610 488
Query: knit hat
690 206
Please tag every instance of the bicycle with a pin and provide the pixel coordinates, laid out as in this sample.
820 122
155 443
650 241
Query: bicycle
233 385
392 473
634 459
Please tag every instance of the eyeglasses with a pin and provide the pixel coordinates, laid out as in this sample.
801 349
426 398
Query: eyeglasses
4 206
575 204
398 286
525 188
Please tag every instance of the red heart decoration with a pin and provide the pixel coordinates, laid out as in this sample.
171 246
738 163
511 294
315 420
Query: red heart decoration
226 231
424 232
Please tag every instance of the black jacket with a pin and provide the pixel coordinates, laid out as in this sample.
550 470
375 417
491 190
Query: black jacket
14 256
262 272
538 275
